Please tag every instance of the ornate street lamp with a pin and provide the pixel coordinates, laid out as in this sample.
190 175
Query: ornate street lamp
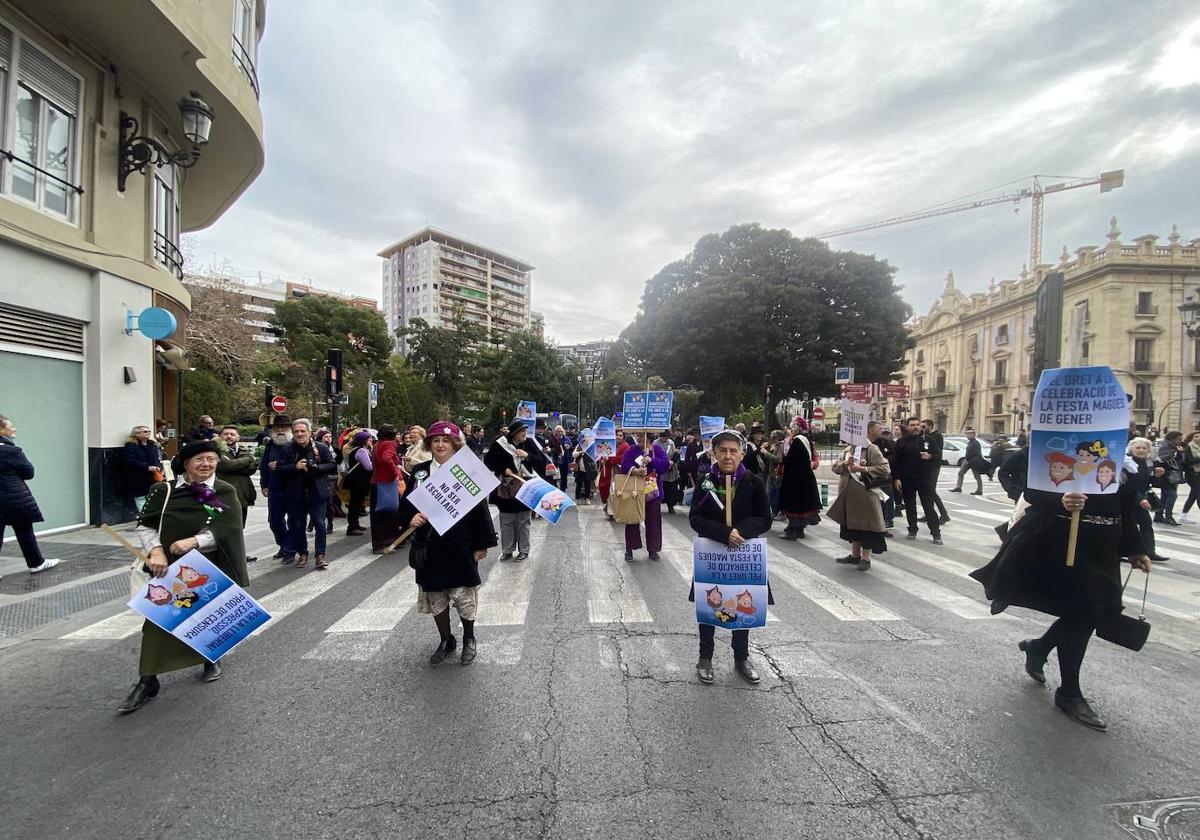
136 151
1187 312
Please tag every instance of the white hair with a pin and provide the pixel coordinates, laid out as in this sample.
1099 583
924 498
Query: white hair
307 423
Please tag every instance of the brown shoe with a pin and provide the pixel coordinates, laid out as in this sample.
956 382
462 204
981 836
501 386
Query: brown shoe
301 561
321 562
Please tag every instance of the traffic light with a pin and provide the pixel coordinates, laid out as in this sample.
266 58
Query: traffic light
333 373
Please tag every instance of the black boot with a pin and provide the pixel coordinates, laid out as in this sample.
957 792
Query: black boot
146 689
704 671
1078 709
444 649
746 669
211 672
468 650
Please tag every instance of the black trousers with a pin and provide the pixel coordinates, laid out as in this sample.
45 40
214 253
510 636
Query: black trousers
27 541
910 493
937 500
354 508
740 642
1071 637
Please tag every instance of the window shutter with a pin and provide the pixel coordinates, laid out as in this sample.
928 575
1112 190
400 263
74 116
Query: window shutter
49 78
36 329
5 48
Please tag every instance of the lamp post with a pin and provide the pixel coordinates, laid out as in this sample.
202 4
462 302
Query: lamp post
616 396
1188 312
578 399
136 152
1018 410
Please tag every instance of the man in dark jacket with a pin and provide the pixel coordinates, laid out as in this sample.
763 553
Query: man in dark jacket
916 455
930 428
751 517
205 431
304 467
974 462
237 470
270 482
887 448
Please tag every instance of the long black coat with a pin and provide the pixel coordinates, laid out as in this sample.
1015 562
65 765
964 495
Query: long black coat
451 555
798 493
17 505
1030 569
751 512
137 459
498 461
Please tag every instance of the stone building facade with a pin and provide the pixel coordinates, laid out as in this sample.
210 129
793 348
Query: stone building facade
972 359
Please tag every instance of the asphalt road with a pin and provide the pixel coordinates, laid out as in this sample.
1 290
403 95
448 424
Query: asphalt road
892 705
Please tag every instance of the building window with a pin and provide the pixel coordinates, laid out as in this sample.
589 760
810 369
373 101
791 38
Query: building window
941 381
1001 371
1196 356
166 219
1083 307
997 427
40 117
997 403
1086 351
920 384
920 357
1143 398
245 40
1002 334
1143 352
1145 304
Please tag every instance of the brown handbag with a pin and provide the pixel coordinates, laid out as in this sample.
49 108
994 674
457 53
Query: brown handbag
628 502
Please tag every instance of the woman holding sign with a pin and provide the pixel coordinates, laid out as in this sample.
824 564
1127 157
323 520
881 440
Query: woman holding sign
636 465
507 459
447 565
195 510
730 506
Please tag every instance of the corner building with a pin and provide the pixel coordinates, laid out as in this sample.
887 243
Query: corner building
429 274
77 254
972 359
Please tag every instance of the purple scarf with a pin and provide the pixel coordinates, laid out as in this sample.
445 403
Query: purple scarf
207 497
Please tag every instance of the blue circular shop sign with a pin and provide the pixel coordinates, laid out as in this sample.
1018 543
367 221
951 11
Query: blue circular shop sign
156 322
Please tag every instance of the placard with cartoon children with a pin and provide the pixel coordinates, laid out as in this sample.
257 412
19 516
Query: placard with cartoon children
1079 427
730 585
200 605
605 445
544 499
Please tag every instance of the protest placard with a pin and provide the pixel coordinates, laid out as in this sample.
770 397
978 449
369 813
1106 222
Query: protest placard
587 442
853 418
606 438
730 584
709 426
453 489
634 414
1080 424
658 409
526 414
201 606
544 499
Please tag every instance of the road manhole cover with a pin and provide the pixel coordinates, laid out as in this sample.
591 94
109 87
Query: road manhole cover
1160 819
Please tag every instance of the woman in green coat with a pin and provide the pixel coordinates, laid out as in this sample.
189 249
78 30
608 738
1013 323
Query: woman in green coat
195 510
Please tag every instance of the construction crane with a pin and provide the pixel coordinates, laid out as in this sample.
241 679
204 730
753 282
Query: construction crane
1107 181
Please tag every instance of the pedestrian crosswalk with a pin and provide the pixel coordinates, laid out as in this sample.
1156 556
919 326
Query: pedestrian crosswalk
913 591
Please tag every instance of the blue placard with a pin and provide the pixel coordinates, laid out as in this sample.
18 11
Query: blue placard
527 414
709 426
198 604
658 409
730 584
605 444
544 499
1079 427
634 413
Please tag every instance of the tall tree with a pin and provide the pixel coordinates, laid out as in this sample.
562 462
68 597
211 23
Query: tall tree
446 356
753 302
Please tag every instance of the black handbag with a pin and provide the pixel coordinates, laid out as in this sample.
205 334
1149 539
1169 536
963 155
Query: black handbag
1154 500
418 554
1125 630
509 487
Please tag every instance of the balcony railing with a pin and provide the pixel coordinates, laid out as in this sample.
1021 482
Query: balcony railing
1149 367
1001 339
167 253
1146 311
242 59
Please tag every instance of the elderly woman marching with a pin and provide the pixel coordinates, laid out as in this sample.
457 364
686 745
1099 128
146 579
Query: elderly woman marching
509 455
858 507
447 565
195 510
647 465
799 498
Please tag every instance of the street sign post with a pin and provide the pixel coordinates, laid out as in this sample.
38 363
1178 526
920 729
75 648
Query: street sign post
278 405
818 413
858 391
843 375
892 391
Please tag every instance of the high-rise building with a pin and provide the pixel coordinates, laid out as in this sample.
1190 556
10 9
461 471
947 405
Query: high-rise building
590 354
537 324
431 273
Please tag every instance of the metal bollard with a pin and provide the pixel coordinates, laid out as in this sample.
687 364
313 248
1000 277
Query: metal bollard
824 494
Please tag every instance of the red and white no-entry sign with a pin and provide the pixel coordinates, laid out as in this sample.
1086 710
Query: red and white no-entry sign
818 413
278 404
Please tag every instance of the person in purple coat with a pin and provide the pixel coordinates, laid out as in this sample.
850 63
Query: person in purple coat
652 467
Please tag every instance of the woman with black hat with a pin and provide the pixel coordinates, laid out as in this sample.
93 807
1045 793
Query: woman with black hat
747 508
509 458
195 510
447 565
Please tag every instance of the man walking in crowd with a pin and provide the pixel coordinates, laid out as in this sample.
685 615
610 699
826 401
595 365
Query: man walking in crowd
205 431
974 462
304 467
238 471
887 448
270 484
476 443
931 430
916 454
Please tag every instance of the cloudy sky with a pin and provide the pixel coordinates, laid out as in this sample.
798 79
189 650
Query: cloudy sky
599 141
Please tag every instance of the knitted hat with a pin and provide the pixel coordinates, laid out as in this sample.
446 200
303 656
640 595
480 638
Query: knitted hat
444 427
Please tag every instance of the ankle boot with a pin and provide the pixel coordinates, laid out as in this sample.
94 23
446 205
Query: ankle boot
144 690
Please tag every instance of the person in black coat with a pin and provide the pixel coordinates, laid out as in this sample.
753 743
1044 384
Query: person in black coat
751 517
18 508
974 462
303 469
915 457
799 498
1030 570
142 462
512 455
447 565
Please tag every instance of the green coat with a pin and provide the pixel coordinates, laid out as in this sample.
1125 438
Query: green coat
185 517
239 471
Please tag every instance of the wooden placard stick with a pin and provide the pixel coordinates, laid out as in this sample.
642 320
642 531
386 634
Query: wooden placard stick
728 501
399 540
128 546
1073 538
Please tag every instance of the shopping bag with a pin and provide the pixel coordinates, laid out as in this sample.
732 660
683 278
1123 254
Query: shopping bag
628 503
